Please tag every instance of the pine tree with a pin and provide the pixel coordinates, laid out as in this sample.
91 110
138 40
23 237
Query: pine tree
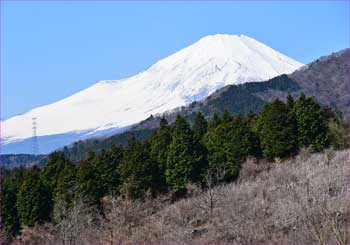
185 162
277 130
33 200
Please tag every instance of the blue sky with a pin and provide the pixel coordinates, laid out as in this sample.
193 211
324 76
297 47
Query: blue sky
50 50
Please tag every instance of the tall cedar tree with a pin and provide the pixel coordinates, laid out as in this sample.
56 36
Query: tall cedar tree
185 162
33 200
66 184
290 102
214 121
229 144
53 168
226 117
87 179
159 150
106 167
200 126
9 215
312 124
137 171
277 130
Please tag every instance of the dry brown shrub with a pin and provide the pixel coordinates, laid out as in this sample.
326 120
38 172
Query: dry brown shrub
299 201
252 167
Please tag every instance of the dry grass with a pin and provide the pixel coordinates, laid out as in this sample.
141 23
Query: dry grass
302 200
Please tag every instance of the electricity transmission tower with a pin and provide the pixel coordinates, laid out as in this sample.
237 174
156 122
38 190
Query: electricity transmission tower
35 144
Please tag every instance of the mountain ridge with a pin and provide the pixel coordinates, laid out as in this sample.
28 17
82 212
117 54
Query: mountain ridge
188 75
254 94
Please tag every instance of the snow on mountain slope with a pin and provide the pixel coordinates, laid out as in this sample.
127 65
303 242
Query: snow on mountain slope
188 75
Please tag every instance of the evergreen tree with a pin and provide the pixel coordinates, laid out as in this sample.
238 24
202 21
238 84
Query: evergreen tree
277 130
226 117
251 118
9 214
214 121
66 184
106 169
86 179
229 144
137 171
199 126
159 150
311 123
185 161
290 102
53 168
33 200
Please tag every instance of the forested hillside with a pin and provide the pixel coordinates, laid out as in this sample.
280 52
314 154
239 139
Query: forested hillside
303 200
206 153
327 79
235 99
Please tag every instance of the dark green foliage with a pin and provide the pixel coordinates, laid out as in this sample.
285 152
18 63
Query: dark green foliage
226 117
51 172
200 126
87 179
106 169
290 102
174 156
214 121
137 171
282 83
229 144
53 168
312 124
185 162
79 150
236 99
10 161
242 99
276 128
9 215
66 184
33 200
159 150
339 134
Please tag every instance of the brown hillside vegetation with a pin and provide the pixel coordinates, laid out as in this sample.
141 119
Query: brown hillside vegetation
302 200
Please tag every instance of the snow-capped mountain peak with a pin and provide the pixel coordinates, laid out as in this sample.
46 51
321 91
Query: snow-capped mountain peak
177 80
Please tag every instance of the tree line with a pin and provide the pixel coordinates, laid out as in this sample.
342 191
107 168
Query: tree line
174 156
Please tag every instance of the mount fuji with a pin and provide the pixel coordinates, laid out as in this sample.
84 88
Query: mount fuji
188 75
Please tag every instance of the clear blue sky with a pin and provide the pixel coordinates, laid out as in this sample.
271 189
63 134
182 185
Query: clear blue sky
50 50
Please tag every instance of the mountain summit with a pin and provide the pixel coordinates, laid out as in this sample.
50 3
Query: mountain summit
188 75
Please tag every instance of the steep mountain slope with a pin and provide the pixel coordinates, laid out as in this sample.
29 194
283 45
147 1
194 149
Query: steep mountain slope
189 75
328 79
234 98
330 72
